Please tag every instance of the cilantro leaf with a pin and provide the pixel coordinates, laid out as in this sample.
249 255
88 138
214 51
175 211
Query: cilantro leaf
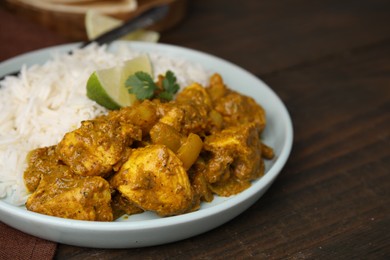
141 85
169 85
165 95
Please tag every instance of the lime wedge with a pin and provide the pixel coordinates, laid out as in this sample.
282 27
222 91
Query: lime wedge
107 86
96 24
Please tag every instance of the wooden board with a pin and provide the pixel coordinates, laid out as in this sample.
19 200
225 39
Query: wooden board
70 23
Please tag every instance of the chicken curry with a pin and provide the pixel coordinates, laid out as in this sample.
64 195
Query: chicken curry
165 157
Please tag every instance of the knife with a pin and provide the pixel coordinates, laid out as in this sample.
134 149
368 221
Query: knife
144 20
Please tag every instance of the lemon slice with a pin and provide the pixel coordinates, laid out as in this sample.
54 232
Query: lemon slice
107 86
96 24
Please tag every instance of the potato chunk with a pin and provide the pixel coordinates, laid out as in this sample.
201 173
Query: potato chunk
167 135
189 151
154 179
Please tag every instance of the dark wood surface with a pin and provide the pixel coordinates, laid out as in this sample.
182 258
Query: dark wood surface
329 61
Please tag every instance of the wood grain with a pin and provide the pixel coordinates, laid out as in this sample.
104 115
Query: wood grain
267 36
332 198
329 61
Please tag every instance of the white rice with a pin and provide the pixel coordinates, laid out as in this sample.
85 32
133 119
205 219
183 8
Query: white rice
38 107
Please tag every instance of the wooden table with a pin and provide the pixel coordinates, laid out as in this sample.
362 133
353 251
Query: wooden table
329 61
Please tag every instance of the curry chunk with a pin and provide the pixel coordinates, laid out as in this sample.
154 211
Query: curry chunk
142 114
97 146
236 109
165 134
64 194
200 185
154 179
41 161
189 113
217 87
160 156
234 152
196 95
120 206
184 117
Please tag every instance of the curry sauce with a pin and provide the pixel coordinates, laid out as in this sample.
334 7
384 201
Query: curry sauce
165 157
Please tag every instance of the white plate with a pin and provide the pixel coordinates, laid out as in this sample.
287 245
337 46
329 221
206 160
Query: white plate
147 229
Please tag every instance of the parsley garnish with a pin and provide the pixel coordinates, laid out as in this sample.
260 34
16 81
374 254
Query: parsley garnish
143 87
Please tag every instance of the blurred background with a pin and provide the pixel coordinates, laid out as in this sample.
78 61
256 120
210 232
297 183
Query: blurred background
67 17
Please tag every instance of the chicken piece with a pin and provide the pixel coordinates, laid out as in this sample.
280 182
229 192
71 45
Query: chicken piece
217 87
184 118
120 206
41 161
143 115
189 113
171 115
199 97
229 187
235 152
267 152
66 195
196 95
236 109
199 184
97 146
154 179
